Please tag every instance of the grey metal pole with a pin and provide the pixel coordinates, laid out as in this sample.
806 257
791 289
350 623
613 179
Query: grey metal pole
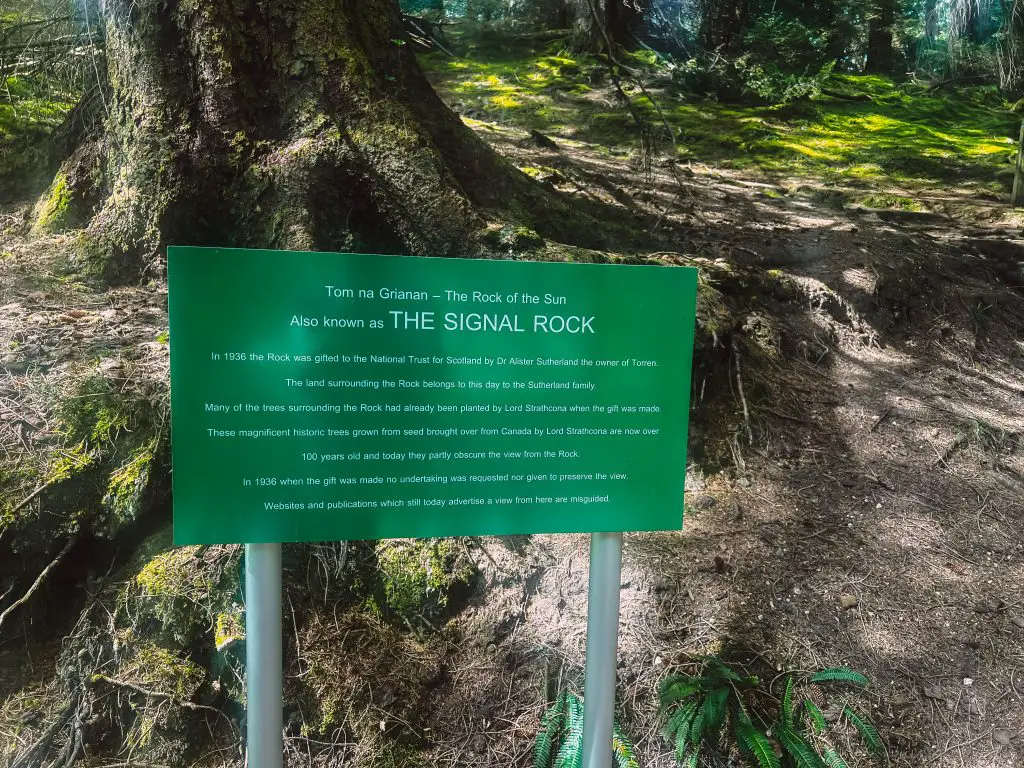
263 672
602 643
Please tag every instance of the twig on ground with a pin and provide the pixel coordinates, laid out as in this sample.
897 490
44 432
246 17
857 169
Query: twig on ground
779 415
37 583
739 386
45 740
960 745
881 418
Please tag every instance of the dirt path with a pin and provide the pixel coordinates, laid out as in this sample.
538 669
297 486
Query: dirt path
869 511
874 520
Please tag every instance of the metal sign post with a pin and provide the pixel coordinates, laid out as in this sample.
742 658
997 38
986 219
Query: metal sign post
602 644
263 671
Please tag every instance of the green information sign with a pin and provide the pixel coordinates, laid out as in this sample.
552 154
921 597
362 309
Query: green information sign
320 396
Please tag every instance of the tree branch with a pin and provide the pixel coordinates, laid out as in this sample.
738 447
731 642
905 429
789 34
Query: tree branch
37 583
158 695
29 498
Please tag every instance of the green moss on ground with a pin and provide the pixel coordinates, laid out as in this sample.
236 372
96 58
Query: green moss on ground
188 596
880 133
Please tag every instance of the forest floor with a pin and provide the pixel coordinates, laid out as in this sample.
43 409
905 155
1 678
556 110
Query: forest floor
859 502
872 510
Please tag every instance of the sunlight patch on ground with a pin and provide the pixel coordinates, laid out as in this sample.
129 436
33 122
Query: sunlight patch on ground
898 137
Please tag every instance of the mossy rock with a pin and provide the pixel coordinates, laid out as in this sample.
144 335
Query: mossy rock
54 210
160 679
512 238
421 577
159 670
99 467
189 596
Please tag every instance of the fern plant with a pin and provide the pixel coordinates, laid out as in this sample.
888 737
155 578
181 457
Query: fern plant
719 711
559 743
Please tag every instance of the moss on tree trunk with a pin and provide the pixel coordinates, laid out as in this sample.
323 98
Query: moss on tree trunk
289 124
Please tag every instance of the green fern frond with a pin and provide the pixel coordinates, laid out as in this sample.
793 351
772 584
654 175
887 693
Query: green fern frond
714 709
678 690
622 749
755 744
681 734
840 675
718 669
797 746
787 703
681 716
542 750
570 753
570 748
867 731
673 680
833 760
816 715
691 759
697 727
552 724
562 733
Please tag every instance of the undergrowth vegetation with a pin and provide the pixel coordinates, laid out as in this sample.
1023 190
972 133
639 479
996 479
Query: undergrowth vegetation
30 110
857 130
559 743
719 713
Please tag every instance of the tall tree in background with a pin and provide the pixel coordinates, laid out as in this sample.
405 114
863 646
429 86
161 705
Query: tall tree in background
292 124
833 18
881 18
1011 47
594 21
929 30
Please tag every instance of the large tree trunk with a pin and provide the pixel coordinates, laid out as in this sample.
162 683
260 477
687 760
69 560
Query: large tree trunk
926 44
1011 48
282 123
623 17
880 50
595 23
829 17
589 25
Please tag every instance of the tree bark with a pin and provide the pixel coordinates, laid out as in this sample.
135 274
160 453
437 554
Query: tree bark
623 16
594 20
589 24
1011 48
880 50
300 124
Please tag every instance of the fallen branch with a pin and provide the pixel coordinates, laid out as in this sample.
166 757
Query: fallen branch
29 498
844 96
37 583
45 741
157 694
780 415
881 418
151 693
